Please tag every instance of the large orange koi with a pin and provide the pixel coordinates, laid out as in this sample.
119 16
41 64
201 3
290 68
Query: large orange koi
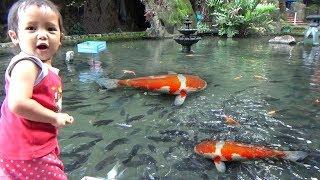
220 151
173 84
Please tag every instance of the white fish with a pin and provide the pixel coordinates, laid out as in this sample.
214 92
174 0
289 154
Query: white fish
92 178
69 56
113 174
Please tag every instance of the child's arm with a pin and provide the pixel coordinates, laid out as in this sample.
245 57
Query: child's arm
23 76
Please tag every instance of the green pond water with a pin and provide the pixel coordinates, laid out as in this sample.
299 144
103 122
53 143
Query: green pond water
271 90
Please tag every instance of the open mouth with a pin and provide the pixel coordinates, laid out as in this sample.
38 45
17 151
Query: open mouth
42 47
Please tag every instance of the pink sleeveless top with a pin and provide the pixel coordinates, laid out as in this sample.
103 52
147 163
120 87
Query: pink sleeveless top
21 139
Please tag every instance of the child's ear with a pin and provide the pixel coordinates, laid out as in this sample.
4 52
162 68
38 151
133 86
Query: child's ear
13 36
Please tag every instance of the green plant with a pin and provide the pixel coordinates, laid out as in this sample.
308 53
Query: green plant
77 29
176 12
240 17
202 27
287 28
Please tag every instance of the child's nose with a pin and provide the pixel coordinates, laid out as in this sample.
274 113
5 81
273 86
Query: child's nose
42 35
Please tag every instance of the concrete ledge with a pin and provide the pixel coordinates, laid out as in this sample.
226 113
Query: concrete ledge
74 39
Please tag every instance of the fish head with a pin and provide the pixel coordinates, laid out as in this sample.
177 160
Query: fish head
195 83
206 148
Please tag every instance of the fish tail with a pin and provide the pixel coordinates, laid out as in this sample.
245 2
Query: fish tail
108 83
116 166
121 173
295 155
113 173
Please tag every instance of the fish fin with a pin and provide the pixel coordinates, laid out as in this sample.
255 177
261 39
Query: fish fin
221 166
108 83
180 98
295 155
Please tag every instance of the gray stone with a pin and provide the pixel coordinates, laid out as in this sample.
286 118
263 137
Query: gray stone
286 39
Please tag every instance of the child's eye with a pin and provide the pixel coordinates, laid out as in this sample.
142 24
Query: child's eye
30 28
52 29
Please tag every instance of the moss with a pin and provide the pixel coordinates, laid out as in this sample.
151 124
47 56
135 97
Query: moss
70 40
75 39
294 30
298 30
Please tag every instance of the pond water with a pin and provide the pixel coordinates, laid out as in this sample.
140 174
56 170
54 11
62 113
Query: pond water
273 91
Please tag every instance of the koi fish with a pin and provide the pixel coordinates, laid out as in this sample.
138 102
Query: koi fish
260 77
128 72
231 121
113 174
69 56
238 77
271 113
173 84
220 151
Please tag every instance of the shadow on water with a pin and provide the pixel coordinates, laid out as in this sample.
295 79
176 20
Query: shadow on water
272 91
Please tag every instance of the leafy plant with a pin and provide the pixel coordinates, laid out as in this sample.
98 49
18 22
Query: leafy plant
176 12
239 17
202 27
287 28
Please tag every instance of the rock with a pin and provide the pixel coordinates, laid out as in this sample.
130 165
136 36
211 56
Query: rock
281 48
286 39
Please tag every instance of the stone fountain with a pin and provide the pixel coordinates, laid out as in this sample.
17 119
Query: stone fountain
187 39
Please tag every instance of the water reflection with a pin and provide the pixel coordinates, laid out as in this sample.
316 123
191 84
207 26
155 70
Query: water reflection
312 58
96 70
282 48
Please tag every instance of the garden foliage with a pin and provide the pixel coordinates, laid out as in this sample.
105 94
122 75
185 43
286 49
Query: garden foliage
175 11
241 17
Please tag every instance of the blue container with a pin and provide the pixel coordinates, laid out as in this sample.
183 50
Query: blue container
92 46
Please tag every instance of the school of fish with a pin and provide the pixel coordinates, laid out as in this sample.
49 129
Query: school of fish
218 151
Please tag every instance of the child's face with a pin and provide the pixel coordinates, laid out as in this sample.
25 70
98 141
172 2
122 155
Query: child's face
38 32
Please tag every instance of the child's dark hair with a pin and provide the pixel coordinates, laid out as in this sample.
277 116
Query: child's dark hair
21 5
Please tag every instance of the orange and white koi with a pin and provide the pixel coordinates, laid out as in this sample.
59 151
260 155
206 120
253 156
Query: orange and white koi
220 151
258 77
173 84
231 121
271 113
128 72
238 77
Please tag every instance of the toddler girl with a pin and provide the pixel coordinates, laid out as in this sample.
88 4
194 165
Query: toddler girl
30 112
